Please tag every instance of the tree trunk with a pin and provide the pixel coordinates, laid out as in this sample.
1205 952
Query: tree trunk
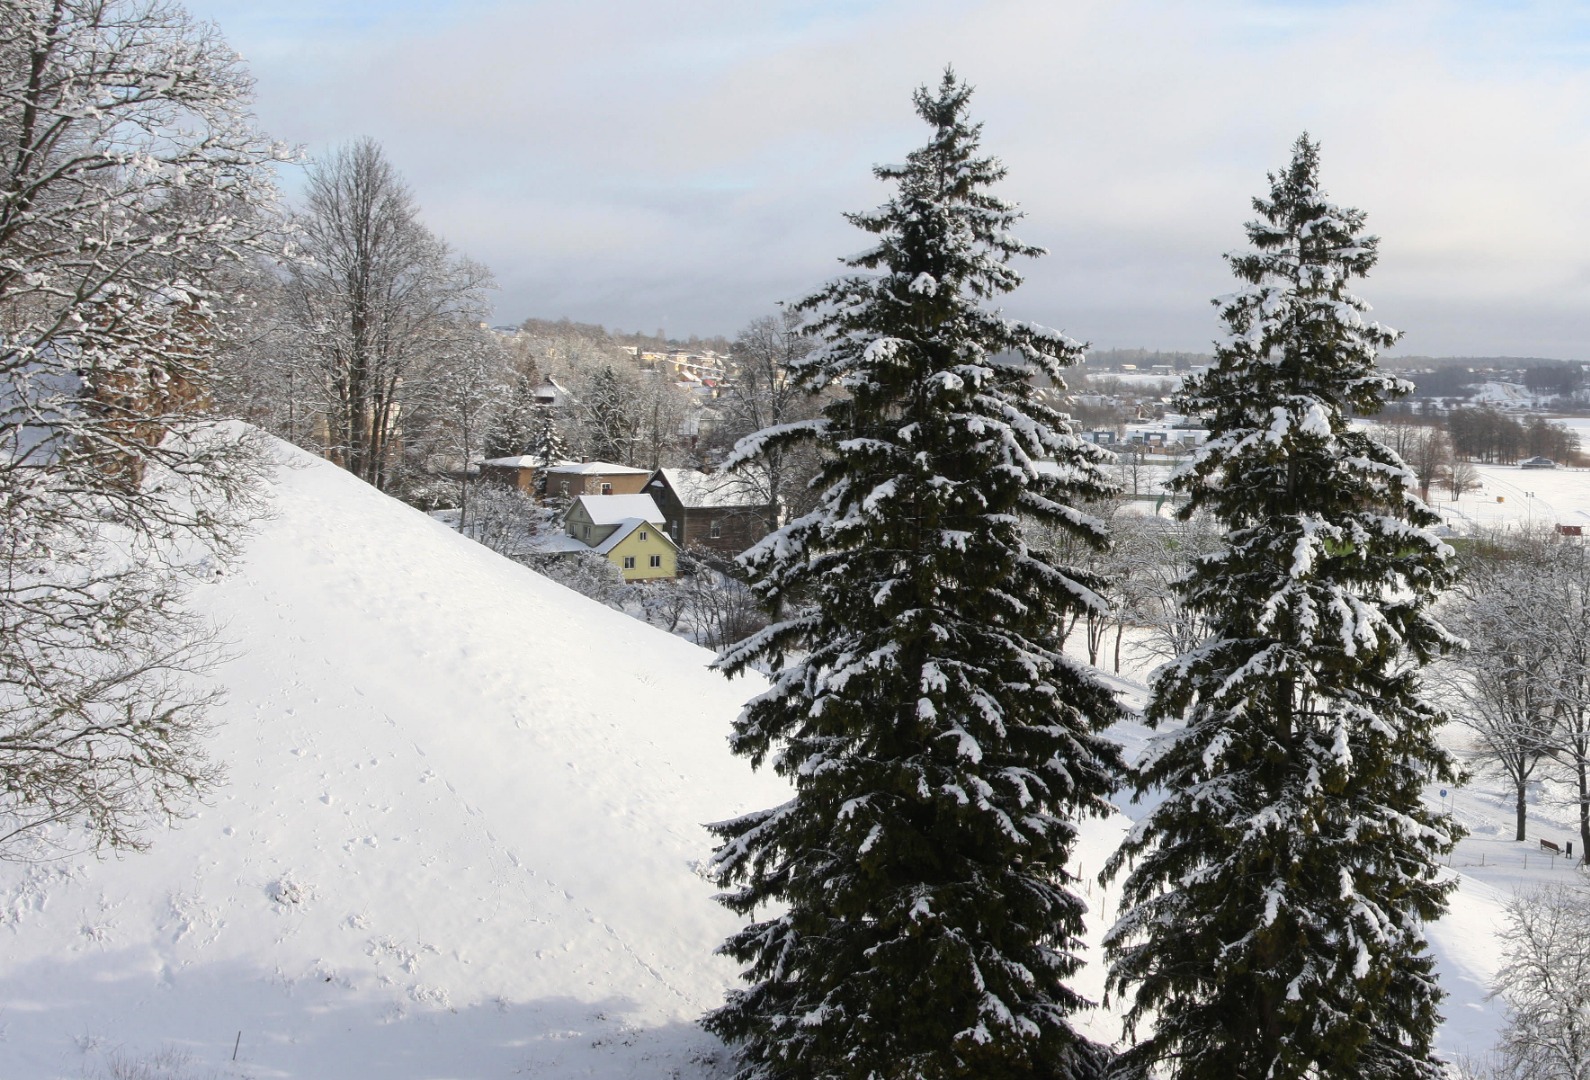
1520 807
1582 771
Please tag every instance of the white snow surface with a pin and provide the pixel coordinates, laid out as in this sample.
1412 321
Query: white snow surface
617 509
462 825
459 836
596 468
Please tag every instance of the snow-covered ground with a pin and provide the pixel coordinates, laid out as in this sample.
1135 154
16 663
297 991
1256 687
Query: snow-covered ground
1510 497
458 839
462 826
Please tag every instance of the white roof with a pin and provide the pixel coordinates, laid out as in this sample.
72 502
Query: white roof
696 488
589 468
557 544
553 393
616 509
627 526
523 461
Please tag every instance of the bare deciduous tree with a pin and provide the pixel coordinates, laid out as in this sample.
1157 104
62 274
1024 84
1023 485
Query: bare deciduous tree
762 397
1150 555
503 519
454 400
1545 982
1525 682
376 295
1502 690
131 183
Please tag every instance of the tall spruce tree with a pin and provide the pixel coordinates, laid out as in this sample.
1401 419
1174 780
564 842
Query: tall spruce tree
941 749
513 433
1271 923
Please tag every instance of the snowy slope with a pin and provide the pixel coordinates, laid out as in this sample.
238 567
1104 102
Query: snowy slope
460 831
458 837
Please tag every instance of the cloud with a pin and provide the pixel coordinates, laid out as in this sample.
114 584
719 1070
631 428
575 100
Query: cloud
634 163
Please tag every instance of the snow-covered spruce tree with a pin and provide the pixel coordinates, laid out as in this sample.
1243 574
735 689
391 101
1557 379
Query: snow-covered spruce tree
514 431
1271 922
923 922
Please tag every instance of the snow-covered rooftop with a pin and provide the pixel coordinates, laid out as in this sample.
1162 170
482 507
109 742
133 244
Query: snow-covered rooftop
557 544
625 527
699 489
591 468
615 509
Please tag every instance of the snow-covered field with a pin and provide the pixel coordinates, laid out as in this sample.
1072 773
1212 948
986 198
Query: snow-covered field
462 825
1510 497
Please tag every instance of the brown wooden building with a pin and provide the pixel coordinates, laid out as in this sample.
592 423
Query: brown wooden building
570 481
715 512
518 472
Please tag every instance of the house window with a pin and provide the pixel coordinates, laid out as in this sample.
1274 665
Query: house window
563 487
629 562
587 529
643 534
656 560
607 489
716 530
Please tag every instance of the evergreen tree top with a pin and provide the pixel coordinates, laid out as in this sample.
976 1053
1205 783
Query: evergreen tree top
1307 232
948 172
1296 315
944 240
940 744
1298 360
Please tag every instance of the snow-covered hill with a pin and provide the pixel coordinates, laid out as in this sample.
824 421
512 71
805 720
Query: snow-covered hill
460 834
458 837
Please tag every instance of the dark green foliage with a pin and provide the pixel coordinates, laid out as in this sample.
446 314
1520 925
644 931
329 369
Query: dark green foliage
609 417
940 747
1272 920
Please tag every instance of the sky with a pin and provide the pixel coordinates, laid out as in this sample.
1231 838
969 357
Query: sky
686 166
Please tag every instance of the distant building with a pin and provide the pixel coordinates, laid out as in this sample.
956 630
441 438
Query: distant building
570 481
592 518
516 472
641 551
552 395
628 530
713 511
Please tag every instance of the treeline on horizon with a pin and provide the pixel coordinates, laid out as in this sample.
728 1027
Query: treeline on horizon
1433 376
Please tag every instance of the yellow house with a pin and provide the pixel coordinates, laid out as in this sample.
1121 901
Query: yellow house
641 550
627 530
